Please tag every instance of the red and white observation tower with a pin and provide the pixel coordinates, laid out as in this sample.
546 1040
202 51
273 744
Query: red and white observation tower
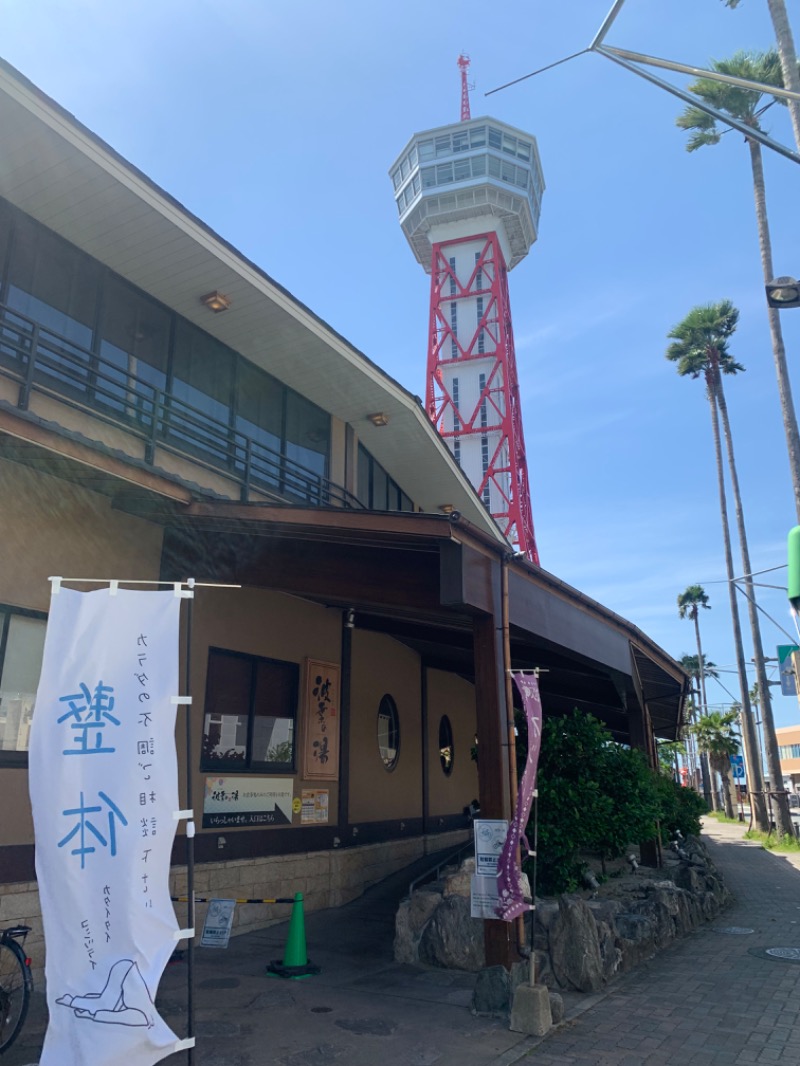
469 196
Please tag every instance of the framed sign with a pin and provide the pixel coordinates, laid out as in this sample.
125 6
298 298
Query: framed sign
321 721
242 801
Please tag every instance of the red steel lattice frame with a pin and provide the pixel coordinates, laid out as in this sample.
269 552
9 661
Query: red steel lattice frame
498 407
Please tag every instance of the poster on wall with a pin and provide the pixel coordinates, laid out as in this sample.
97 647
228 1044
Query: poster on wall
314 809
104 791
241 801
321 721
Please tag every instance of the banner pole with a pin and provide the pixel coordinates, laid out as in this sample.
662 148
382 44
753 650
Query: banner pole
533 885
190 908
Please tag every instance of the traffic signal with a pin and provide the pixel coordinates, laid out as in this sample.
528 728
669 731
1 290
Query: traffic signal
793 575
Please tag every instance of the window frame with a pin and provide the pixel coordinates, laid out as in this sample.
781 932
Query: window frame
14 759
387 700
249 766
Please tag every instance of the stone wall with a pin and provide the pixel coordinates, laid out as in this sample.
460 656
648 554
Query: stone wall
581 941
326 879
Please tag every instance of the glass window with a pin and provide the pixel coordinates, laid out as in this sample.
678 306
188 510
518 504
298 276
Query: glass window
412 157
509 144
388 732
479 165
428 177
443 145
396 178
426 150
364 476
134 347
307 441
380 487
495 138
494 166
202 383
462 169
507 172
477 137
523 150
446 745
259 416
461 141
21 648
250 712
52 283
5 233
444 173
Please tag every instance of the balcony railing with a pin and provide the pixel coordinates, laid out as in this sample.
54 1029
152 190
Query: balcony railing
46 363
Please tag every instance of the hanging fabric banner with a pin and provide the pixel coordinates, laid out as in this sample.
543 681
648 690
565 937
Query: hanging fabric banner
104 792
509 885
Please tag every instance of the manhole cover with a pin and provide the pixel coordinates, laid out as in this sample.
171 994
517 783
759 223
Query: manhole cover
785 953
221 982
778 954
738 930
321 1010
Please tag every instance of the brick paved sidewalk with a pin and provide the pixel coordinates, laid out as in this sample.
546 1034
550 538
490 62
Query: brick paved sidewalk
709 998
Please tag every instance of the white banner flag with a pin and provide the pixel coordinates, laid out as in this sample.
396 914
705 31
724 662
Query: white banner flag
104 790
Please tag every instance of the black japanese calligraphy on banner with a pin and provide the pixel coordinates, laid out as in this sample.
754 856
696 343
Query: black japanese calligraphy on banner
321 721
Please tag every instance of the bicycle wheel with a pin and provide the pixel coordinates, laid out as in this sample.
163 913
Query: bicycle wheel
15 990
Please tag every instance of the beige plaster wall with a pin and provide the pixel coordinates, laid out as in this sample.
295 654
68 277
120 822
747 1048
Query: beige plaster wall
380 666
451 695
259 622
50 527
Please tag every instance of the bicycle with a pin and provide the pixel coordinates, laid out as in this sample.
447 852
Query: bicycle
16 984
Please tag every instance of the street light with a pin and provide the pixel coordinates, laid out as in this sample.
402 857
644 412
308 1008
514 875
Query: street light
783 292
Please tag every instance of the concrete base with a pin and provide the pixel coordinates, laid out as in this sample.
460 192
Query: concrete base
530 1011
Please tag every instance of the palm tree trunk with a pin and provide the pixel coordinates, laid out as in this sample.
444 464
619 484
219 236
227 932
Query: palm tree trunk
784 818
755 781
778 348
705 771
788 57
727 791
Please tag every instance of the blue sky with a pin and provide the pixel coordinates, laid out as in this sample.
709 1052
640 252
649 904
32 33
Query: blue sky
277 123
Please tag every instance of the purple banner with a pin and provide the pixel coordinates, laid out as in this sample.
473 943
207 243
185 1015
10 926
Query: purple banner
511 901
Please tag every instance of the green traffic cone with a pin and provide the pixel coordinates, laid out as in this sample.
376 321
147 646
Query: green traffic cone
295 964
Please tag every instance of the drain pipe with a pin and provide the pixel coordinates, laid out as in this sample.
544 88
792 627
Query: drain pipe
522 947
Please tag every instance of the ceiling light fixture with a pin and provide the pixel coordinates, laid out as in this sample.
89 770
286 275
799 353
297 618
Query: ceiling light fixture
216 301
379 418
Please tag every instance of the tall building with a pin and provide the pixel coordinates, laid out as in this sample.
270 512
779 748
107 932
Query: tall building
469 197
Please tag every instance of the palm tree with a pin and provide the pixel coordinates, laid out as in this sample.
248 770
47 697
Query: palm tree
788 57
700 348
746 106
698 668
716 737
689 604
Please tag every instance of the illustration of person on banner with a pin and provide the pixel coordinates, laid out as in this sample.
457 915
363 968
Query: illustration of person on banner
511 897
104 792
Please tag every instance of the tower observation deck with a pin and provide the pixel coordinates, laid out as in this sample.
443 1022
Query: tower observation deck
468 197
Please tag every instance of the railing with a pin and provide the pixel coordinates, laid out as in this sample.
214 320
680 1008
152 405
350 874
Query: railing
47 363
432 874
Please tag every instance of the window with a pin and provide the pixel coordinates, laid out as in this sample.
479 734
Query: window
202 382
789 751
21 648
388 732
134 341
250 712
454 330
479 312
307 442
446 745
375 489
259 415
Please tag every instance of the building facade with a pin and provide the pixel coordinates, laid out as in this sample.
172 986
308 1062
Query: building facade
168 410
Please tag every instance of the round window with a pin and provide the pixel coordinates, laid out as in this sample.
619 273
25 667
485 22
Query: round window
388 732
446 745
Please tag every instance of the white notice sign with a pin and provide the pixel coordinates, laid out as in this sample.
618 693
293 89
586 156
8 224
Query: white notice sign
104 789
218 923
490 836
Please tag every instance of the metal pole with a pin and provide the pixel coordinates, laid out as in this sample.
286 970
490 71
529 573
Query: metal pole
701 72
190 907
532 967
606 26
728 120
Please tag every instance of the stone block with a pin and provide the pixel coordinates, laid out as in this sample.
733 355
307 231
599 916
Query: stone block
19 907
491 995
530 1010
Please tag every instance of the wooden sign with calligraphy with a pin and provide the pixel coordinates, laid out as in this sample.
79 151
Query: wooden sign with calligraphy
321 721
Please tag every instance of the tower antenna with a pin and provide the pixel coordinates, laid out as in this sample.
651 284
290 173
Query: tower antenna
463 66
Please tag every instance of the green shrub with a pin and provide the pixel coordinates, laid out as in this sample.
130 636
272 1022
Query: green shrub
598 796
